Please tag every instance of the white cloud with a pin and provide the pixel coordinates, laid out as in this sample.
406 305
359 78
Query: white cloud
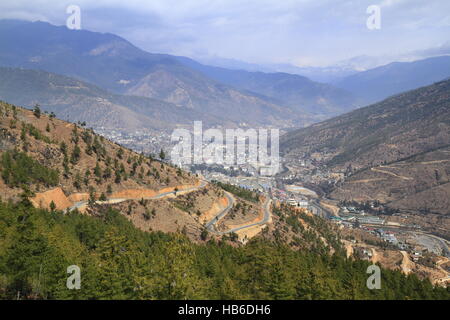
309 31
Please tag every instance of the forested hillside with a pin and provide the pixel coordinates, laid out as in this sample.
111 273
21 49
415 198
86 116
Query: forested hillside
39 151
118 261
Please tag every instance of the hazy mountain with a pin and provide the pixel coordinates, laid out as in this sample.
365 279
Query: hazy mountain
381 82
80 101
102 59
326 74
234 64
115 64
334 72
295 91
185 87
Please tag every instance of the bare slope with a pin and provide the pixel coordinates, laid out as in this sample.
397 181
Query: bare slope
404 125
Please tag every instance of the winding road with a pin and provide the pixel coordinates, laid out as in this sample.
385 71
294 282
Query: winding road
264 220
210 225
318 210
80 204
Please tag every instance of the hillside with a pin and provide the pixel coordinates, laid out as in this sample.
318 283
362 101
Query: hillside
419 184
396 128
80 101
395 151
295 91
120 262
53 163
73 159
379 83
57 165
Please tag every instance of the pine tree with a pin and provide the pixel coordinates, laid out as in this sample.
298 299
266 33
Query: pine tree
37 111
76 153
177 278
52 206
162 154
119 271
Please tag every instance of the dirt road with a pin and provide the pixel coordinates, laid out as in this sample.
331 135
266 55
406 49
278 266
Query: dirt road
83 204
264 220
390 173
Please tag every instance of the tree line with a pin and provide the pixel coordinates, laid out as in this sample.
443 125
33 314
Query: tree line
119 261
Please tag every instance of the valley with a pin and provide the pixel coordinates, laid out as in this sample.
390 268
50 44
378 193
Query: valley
286 189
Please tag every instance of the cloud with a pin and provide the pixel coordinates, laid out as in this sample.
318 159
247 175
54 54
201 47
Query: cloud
273 31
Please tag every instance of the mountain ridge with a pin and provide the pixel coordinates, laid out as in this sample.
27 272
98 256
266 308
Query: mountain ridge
366 128
88 56
395 151
381 82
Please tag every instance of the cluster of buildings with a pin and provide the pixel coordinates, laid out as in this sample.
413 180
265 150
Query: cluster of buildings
309 170
301 203
295 196
387 236
354 220
261 184
142 140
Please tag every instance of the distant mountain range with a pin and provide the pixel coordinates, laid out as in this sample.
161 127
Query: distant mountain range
379 83
326 74
173 90
331 73
295 91
76 100
114 64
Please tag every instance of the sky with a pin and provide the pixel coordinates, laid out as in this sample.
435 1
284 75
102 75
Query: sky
298 32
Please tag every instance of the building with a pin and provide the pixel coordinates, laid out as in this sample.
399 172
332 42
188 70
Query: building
303 204
370 220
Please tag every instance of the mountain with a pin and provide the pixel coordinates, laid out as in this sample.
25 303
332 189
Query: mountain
326 74
379 83
116 65
298 92
185 87
105 60
76 100
113 63
395 151
398 127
